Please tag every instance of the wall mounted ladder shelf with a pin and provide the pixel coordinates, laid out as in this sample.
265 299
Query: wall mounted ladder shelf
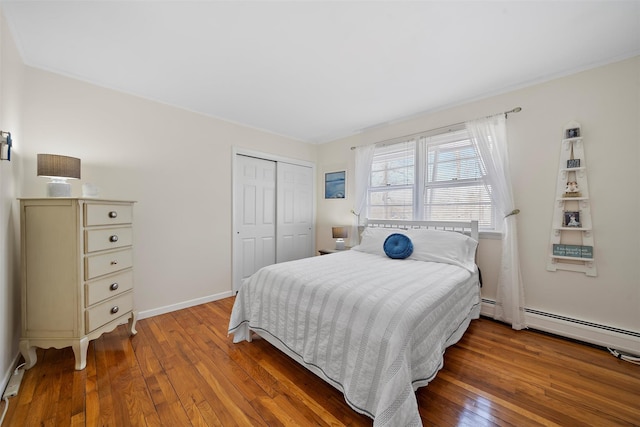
571 244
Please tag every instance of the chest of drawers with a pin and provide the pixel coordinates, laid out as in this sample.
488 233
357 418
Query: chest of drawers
77 273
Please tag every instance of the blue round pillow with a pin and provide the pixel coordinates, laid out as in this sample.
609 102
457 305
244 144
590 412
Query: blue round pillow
398 246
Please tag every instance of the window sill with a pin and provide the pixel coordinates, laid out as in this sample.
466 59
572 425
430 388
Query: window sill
491 235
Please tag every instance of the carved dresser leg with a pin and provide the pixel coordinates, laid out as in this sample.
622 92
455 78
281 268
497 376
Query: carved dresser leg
29 354
80 351
132 323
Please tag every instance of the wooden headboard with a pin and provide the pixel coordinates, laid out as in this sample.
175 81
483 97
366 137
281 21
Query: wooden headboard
469 228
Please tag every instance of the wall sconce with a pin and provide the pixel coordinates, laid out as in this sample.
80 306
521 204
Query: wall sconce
339 233
5 145
59 169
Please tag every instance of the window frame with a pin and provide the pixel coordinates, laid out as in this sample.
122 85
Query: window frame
420 184
394 187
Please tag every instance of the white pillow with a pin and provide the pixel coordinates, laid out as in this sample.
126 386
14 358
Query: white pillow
443 246
372 239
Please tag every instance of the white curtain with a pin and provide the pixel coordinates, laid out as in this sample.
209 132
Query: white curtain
364 157
490 137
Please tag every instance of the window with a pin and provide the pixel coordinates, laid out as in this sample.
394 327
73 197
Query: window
391 189
430 177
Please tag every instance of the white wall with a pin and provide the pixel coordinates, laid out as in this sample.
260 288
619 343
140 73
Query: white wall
176 164
605 101
11 71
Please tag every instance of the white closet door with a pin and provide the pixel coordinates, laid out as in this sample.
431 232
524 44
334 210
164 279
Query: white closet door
295 212
255 216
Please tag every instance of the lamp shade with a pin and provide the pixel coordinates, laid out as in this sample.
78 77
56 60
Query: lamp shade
54 165
339 232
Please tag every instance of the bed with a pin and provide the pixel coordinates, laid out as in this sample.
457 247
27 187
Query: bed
374 327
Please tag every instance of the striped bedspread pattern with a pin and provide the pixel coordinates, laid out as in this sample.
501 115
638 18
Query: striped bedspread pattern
373 327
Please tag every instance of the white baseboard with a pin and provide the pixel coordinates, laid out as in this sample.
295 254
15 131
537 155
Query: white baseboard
589 332
7 374
185 304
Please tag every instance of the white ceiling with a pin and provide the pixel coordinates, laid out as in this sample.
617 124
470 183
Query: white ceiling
319 70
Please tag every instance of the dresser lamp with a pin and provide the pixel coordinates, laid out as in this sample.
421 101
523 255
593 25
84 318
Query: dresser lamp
339 233
59 169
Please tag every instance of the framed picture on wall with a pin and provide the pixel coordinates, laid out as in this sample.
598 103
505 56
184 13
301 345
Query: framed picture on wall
335 185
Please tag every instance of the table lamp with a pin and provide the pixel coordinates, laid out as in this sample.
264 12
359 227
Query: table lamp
339 233
59 169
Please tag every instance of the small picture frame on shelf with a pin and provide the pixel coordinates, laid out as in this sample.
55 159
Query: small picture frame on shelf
573 163
572 133
573 251
571 219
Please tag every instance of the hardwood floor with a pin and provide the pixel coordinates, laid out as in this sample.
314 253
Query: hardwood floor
182 369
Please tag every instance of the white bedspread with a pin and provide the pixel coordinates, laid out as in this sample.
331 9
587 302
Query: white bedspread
373 327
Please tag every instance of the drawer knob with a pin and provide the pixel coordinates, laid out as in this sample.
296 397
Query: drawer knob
113 238
114 262
115 309
113 214
114 286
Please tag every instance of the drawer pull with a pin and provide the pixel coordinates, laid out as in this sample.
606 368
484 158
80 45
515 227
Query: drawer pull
114 286
114 262
113 238
115 309
113 214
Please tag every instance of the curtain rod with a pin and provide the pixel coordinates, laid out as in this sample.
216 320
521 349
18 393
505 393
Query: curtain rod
506 114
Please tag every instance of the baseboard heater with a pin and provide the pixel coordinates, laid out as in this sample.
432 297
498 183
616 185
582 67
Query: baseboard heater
581 330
